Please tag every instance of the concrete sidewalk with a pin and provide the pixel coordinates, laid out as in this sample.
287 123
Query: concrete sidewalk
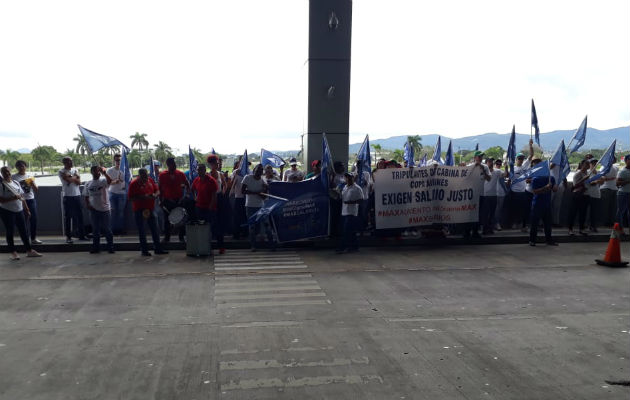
131 243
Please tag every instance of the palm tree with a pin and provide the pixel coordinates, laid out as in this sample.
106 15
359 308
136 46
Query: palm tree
414 141
162 151
10 157
2 156
139 139
82 146
377 150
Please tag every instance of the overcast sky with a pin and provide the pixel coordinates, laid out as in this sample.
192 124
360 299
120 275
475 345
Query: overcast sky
232 74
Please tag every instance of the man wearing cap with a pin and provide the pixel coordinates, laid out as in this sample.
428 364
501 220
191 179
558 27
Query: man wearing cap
623 194
485 176
521 199
542 187
351 196
293 174
316 167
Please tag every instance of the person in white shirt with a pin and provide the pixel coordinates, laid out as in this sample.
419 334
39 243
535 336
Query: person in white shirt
488 202
97 202
293 174
27 182
484 174
594 197
70 183
238 206
253 187
521 199
117 196
608 191
351 197
12 210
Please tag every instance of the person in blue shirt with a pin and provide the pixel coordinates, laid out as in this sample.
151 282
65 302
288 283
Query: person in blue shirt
542 186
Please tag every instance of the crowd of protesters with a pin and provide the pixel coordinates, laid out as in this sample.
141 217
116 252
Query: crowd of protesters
228 201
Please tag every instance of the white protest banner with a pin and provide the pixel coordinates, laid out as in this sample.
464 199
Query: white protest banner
407 197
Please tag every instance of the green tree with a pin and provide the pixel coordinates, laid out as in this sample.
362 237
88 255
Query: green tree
162 151
398 155
378 149
10 157
495 152
43 155
82 146
140 140
415 142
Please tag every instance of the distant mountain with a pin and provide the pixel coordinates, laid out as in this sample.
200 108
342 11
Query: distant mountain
23 151
595 139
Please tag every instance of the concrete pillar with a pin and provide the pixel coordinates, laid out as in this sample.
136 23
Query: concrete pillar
330 28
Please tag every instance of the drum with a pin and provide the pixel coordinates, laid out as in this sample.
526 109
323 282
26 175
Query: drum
178 217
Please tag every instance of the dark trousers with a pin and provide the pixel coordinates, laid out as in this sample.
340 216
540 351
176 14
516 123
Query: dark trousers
349 236
254 228
118 202
216 226
539 212
168 205
579 205
101 223
608 206
594 207
488 206
238 213
10 220
522 203
72 213
155 234
32 221
623 208
335 217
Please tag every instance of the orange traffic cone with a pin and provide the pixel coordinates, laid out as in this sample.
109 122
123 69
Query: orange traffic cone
613 252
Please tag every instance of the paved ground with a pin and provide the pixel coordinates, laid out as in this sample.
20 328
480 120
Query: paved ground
458 322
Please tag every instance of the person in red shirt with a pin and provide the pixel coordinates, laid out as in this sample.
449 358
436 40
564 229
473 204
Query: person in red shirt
173 185
142 193
205 188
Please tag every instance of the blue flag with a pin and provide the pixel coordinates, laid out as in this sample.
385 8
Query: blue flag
193 163
477 146
579 137
327 161
511 151
152 169
535 124
561 159
96 141
268 158
265 211
437 154
423 161
124 168
213 151
606 162
449 160
541 169
364 159
243 168
408 155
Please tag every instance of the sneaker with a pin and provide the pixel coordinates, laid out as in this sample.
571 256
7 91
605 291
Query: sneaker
498 227
111 251
14 256
37 241
552 243
182 240
84 238
583 233
532 244
146 253
33 253
69 241
161 252
93 251
571 233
